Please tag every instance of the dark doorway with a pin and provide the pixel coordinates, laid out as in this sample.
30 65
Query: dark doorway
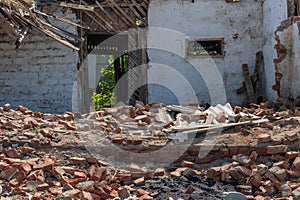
111 62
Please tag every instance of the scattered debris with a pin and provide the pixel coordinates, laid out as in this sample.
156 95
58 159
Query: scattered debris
267 165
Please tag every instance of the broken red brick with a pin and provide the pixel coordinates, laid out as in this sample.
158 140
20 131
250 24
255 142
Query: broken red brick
91 160
145 197
37 196
237 109
79 174
278 149
21 175
43 186
292 135
86 196
296 165
253 156
124 177
224 152
189 190
12 153
269 186
255 178
292 154
245 189
204 160
123 192
214 173
6 107
279 173
8 173
188 164
139 181
225 176
26 150
159 172
141 192
244 171
264 138
77 160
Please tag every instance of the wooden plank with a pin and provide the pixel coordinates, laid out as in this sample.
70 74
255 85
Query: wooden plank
60 19
50 34
257 73
139 8
123 13
69 5
71 35
248 83
93 18
107 14
121 17
137 14
145 5
101 18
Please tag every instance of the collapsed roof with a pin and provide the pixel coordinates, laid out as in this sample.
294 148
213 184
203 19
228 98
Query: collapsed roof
22 15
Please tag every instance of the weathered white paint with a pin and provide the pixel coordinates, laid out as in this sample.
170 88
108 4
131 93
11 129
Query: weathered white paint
289 67
296 46
205 19
41 73
274 12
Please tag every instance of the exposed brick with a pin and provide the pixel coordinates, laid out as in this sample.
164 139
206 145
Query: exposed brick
264 138
245 189
279 149
146 197
296 165
123 192
189 190
292 154
139 181
188 164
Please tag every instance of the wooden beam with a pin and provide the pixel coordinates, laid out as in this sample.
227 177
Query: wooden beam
101 18
107 14
137 14
121 17
69 5
59 30
139 8
257 73
93 18
59 19
49 33
123 13
248 83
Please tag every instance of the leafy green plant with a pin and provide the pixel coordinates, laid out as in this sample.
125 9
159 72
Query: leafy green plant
37 129
104 96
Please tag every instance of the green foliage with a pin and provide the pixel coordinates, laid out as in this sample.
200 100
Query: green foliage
106 86
37 129
105 96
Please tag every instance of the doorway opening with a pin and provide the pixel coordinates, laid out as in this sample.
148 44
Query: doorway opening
107 64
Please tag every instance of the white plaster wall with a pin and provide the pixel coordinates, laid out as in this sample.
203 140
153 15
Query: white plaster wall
41 73
296 74
286 66
274 12
205 19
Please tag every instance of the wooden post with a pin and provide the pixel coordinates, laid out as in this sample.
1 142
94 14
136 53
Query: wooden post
248 82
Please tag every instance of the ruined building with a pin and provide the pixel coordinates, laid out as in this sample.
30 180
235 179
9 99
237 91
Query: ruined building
49 50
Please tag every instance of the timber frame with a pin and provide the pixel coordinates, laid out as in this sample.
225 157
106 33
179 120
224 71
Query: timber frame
94 16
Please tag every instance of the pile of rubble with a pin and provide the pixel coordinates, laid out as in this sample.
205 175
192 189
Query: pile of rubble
267 166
